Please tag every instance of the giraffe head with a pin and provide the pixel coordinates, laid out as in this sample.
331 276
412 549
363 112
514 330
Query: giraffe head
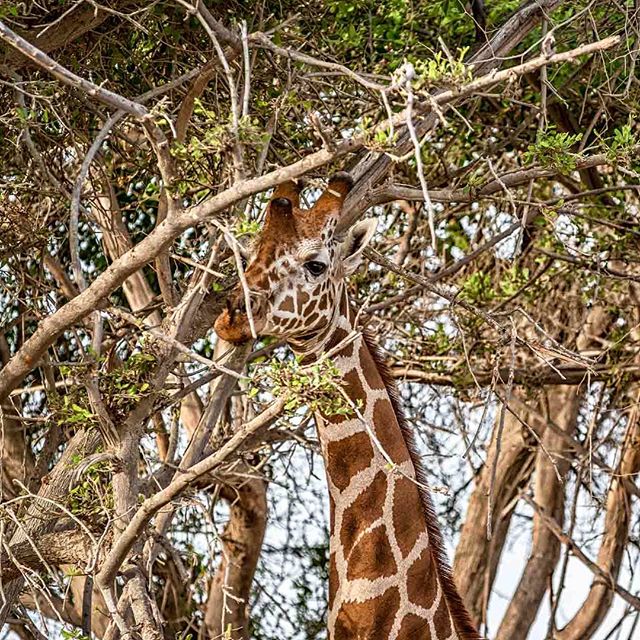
297 272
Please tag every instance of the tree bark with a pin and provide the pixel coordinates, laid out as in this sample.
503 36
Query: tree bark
82 19
477 558
39 518
553 461
616 530
227 612
228 603
594 609
551 470
16 458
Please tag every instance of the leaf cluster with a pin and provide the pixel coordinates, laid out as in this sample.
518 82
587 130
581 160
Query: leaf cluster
316 386
554 150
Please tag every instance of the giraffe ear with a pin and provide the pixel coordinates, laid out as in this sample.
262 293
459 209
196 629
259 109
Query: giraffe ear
358 237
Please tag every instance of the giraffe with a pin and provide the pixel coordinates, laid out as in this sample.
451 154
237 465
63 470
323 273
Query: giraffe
388 574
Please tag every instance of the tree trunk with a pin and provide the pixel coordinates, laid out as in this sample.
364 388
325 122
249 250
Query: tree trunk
551 470
477 558
227 613
553 462
616 529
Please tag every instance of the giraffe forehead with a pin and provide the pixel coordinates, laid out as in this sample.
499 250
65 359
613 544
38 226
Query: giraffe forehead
287 255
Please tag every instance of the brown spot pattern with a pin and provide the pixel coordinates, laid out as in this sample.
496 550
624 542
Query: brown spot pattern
334 579
408 521
288 324
353 387
364 510
442 620
338 335
287 304
348 456
414 628
388 431
347 351
338 418
421 583
372 556
372 619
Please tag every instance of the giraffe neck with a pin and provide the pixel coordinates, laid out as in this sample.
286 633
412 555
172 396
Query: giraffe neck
388 577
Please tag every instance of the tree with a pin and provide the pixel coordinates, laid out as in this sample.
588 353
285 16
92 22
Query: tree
152 482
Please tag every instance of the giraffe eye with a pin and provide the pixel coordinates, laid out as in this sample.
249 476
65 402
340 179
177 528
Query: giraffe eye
315 268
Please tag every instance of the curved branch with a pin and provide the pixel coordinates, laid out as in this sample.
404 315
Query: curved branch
562 537
68 77
40 517
153 504
145 251
369 171
67 546
71 25
373 167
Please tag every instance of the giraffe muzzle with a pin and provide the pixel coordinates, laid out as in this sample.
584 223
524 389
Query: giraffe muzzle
233 325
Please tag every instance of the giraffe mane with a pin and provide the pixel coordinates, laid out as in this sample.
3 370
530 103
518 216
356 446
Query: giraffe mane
459 614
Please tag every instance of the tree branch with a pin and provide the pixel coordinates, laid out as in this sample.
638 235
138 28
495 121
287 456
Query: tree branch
151 505
68 77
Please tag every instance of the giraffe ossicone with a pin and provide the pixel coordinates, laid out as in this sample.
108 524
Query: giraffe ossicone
388 574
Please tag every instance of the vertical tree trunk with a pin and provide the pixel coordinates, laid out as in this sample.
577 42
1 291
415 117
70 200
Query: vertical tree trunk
16 458
476 559
552 465
228 603
594 609
551 470
616 529
227 613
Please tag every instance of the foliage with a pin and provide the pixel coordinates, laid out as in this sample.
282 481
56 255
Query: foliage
553 150
126 385
92 498
72 634
478 288
443 70
315 386
624 144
